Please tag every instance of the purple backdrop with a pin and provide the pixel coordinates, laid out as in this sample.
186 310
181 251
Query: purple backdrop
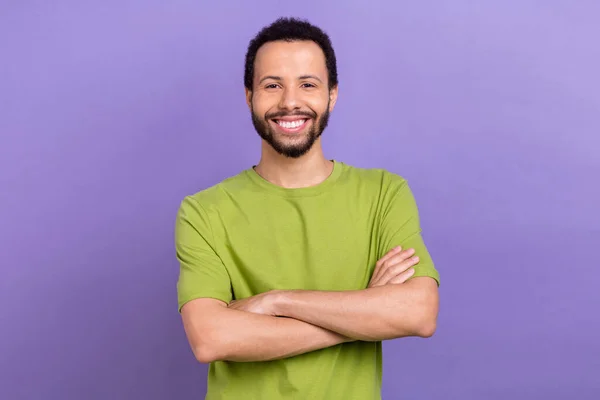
112 111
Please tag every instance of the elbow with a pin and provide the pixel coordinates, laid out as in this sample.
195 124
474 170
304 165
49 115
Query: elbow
426 329
419 315
205 334
419 326
427 320
205 354
427 316
208 348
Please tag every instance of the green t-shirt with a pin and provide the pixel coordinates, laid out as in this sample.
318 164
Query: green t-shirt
245 236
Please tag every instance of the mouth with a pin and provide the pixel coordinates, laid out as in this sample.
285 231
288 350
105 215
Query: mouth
291 127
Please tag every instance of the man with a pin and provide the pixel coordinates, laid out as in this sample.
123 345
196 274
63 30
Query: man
294 271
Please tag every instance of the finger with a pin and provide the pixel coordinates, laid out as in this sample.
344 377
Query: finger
385 258
403 277
400 257
390 262
389 254
399 268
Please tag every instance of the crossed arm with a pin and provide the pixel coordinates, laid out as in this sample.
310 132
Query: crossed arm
280 324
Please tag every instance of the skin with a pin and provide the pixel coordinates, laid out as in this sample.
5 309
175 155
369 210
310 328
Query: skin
249 330
287 96
393 305
389 308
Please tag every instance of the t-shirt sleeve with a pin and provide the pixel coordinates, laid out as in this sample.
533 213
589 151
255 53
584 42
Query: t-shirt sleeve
202 273
401 226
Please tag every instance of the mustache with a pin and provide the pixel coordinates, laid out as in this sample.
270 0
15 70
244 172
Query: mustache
281 114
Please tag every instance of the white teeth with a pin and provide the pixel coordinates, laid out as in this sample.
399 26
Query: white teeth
291 124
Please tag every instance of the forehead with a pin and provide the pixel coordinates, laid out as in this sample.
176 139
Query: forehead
290 59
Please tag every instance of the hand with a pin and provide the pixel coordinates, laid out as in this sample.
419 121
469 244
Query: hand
394 267
263 303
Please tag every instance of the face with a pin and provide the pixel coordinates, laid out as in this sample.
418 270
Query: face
290 101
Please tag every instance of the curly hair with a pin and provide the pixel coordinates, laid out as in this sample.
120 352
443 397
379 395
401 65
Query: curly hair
291 30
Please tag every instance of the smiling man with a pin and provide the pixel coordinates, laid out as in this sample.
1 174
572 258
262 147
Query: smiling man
295 270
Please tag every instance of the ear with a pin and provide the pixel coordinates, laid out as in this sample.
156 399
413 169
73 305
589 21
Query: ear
333 95
249 98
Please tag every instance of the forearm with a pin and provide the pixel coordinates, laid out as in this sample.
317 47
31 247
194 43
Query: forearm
252 337
379 313
233 335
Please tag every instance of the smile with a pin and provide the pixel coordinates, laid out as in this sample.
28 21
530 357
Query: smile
291 126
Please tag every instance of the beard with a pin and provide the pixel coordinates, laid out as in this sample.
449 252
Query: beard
300 146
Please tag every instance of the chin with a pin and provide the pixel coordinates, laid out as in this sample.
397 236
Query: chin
299 148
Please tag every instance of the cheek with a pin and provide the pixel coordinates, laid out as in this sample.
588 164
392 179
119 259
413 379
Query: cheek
263 103
319 102
319 106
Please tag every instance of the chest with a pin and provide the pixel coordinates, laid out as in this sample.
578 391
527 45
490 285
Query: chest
299 245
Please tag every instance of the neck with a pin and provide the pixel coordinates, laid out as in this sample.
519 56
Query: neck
308 170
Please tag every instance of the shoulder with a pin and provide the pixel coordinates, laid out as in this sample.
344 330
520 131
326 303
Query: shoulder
209 199
381 178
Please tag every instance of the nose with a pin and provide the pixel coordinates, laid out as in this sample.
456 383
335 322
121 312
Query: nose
289 99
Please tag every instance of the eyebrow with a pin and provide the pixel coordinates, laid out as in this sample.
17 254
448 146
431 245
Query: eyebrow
278 78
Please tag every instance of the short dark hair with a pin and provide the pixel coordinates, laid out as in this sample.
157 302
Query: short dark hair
291 30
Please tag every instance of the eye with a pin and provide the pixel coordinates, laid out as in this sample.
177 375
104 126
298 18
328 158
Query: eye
308 85
271 86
